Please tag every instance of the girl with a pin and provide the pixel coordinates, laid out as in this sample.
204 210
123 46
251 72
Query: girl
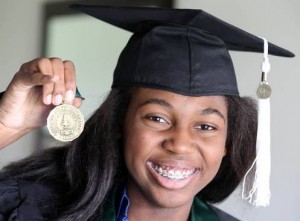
172 136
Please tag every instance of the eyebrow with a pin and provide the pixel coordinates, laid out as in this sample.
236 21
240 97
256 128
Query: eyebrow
157 101
164 103
209 111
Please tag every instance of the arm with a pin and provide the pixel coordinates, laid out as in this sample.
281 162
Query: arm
8 135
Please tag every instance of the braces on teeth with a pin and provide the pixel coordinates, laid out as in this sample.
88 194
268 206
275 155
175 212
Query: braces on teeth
173 174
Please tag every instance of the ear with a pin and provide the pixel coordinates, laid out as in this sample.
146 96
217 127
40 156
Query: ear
225 152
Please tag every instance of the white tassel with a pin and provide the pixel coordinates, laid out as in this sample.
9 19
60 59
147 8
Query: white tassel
260 193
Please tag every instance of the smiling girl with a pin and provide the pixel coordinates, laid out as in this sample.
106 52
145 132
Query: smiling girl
172 137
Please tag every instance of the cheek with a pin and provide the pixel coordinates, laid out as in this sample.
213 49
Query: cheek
137 146
213 155
214 160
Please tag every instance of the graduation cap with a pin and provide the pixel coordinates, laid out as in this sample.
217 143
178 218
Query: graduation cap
186 51
180 50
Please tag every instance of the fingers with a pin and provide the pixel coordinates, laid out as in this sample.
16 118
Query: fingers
77 102
36 79
57 77
70 81
44 67
36 72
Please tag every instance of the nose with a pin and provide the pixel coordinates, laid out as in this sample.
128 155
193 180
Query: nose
179 141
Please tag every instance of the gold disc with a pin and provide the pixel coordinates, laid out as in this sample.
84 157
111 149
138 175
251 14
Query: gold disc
65 122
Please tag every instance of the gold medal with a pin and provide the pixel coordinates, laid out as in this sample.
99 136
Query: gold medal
65 122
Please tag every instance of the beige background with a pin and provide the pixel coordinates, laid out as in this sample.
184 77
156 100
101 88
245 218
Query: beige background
278 21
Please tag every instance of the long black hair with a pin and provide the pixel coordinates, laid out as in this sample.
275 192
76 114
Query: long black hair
88 168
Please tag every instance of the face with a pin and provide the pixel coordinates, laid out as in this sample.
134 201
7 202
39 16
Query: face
173 145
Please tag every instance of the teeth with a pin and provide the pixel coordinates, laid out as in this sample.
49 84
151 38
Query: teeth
172 174
165 173
160 170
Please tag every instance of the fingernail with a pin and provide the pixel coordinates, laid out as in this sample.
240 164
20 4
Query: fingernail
69 96
58 99
54 77
48 99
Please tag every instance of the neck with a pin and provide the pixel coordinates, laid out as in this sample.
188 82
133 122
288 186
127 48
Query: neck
142 208
138 213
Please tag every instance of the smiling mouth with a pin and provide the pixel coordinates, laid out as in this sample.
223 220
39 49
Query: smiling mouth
172 173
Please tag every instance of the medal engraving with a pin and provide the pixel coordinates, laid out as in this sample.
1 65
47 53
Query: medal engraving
65 122
264 90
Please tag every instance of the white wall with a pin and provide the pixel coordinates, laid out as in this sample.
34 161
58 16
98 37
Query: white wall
279 22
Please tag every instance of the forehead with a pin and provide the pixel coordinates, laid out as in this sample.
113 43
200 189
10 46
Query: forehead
174 100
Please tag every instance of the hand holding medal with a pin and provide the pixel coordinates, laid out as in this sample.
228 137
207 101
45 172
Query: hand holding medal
38 88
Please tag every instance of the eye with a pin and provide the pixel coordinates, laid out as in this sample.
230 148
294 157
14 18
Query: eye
156 119
206 127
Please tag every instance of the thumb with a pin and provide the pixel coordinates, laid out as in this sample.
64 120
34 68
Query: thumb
23 81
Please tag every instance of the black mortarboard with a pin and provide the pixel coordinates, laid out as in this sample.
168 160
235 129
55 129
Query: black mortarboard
186 51
180 50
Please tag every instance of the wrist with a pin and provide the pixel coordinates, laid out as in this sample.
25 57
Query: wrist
10 135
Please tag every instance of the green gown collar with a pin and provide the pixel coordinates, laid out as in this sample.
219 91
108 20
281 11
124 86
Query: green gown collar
200 211
109 210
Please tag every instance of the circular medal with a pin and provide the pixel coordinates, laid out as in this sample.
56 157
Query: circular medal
65 122
264 90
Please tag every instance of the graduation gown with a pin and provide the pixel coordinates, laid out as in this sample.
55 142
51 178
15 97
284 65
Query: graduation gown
21 200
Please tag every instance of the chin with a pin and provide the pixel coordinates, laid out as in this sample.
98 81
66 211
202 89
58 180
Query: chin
165 198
